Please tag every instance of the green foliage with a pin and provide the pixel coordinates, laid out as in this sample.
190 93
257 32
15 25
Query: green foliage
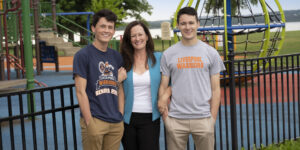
218 6
115 6
135 8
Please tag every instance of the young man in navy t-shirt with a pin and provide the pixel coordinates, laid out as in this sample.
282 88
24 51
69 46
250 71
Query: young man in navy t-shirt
98 72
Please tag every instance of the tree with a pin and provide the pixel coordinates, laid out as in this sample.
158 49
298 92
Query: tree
115 6
123 9
135 8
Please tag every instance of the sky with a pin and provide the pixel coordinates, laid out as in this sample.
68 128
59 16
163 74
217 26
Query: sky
164 9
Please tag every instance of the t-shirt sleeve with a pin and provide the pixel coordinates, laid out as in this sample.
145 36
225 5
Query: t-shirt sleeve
164 69
80 66
217 64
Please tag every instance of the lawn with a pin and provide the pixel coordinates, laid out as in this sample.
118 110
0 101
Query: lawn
291 43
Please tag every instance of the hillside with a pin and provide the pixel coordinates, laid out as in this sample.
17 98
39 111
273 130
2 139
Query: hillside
290 16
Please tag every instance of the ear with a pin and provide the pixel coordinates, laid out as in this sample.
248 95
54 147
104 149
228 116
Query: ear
198 23
93 29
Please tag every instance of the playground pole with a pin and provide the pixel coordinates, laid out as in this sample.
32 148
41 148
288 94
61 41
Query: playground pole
28 49
36 36
54 15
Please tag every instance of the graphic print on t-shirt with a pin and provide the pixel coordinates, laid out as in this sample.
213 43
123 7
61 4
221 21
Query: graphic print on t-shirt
189 62
107 80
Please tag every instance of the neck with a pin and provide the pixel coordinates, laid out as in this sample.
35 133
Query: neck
189 42
140 53
140 56
100 46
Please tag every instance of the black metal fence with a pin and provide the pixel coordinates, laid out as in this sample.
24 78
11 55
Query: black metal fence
259 106
52 125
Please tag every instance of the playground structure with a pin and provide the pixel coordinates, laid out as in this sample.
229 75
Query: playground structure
46 29
42 26
242 29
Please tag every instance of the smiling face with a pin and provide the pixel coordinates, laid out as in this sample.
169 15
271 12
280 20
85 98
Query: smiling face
188 26
138 37
103 30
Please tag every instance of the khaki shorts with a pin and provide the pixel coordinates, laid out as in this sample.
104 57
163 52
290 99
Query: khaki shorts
101 135
178 131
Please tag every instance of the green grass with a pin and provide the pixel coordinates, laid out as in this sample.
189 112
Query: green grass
286 145
291 43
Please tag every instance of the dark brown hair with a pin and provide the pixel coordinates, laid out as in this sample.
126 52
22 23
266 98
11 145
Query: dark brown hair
107 14
188 11
127 50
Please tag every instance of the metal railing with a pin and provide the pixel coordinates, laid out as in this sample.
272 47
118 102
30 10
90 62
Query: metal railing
266 110
52 125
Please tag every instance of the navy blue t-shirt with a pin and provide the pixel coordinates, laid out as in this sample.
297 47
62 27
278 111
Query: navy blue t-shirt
100 69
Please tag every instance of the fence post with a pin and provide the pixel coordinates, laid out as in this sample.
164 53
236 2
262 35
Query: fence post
229 46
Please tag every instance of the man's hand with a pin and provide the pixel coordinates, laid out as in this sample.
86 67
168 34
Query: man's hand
122 75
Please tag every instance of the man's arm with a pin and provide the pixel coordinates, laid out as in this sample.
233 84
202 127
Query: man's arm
216 95
83 101
164 93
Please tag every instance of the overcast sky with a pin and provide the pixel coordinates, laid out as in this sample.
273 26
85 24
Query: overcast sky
164 9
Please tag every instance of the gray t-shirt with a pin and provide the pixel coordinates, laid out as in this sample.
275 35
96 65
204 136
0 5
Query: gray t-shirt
190 68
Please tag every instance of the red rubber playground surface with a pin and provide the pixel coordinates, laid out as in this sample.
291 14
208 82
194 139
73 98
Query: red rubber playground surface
269 90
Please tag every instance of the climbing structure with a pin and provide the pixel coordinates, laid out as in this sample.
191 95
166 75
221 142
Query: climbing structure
250 28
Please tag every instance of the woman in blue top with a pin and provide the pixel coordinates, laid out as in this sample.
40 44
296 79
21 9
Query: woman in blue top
141 115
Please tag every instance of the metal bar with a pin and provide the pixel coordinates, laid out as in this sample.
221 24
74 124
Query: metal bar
226 119
11 125
88 28
27 45
166 146
294 98
237 27
62 100
53 119
22 121
44 120
265 101
1 146
33 122
247 105
259 106
220 114
288 97
298 77
241 106
36 36
277 99
54 15
282 98
73 118
68 13
253 104
271 98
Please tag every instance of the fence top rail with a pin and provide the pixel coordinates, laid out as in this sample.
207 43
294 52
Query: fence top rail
263 58
37 90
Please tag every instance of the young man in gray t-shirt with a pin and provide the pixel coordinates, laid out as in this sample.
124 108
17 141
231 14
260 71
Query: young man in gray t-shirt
194 69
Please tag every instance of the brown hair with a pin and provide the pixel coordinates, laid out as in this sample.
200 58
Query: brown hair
127 50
